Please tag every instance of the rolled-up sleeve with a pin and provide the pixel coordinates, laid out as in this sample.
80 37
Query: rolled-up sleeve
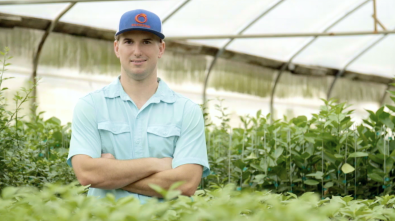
191 145
85 137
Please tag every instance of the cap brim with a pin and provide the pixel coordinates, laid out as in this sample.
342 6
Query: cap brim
160 35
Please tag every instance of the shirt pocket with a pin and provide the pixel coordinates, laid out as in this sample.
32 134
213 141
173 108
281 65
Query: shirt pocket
162 140
115 138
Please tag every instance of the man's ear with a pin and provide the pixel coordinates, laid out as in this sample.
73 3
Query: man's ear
116 48
162 47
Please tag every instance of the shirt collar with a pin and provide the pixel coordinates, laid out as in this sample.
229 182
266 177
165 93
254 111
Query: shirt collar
163 93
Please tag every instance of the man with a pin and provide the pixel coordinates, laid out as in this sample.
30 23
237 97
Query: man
137 131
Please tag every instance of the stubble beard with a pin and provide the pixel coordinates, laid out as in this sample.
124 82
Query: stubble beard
138 76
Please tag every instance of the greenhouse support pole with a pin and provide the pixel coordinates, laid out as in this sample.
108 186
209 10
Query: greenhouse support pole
341 72
221 50
302 49
379 23
385 94
30 2
278 76
36 57
281 35
375 15
175 10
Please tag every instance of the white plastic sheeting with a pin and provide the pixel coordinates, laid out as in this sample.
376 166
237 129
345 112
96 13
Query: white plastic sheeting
213 17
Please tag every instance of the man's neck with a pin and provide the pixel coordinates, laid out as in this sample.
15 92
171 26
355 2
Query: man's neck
139 91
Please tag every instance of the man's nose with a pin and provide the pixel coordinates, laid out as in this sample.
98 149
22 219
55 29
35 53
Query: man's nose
137 50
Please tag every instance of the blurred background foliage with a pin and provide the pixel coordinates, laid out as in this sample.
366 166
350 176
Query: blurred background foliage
328 154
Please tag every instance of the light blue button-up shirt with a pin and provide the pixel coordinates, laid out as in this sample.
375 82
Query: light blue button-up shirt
168 125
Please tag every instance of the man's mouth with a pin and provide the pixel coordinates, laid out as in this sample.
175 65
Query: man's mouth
138 61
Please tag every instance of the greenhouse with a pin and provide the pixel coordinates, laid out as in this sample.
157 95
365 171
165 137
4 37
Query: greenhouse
297 97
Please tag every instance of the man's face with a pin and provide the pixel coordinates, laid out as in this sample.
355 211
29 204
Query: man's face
138 52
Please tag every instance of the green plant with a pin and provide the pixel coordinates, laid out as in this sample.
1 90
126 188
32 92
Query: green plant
55 202
327 154
32 152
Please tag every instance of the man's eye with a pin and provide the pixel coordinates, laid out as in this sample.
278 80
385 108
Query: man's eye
147 42
128 42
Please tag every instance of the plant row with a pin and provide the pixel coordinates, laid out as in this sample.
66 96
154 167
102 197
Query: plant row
328 154
55 202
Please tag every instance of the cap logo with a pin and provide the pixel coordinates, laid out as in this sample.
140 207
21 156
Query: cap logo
142 15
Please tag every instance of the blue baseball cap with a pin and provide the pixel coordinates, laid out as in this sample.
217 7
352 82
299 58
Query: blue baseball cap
142 20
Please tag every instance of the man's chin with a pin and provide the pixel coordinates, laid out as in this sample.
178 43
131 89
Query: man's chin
138 75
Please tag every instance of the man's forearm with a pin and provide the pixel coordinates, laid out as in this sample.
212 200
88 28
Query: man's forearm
111 173
190 174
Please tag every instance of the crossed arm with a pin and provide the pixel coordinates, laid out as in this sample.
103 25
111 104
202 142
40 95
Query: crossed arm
135 175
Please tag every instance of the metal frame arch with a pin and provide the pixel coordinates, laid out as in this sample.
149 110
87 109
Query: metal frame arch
175 10
303 48
221 50
385 93
52 26
281 35
32 2
341 72
36 57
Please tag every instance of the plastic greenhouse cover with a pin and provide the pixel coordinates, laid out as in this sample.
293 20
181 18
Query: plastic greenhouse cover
208 17
47 11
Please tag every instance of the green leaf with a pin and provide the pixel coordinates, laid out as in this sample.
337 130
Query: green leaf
329 184
300 121
277 153
347 168
158 189
258 114
171 194
368 123
392 108
271 162
389 163
53 120
380 146
259 178
339 156
252 156
327 123
376 177
372 116
329 157
386 120
318 175
358 154
305 155
263 164
379 112
58 136
343 138
310 137
9 192
311 182
176 185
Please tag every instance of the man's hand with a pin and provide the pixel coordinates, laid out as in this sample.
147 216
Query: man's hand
163 163
190 173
